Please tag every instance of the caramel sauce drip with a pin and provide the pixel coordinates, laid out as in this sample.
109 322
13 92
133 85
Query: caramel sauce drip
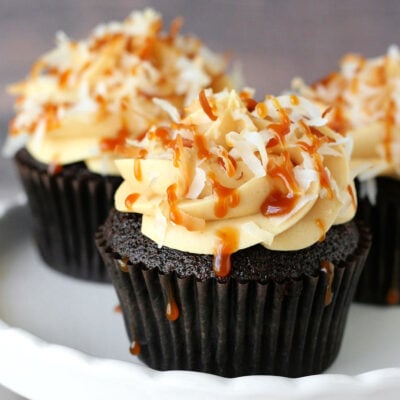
316 142
282 128
284 172
118 309
228 163
102 104
393 297
322 227
172 310
294 100
137 169
130 200
63 78
146 51
262 110
130 151
226 197
337 121
228 240
281 202
135 348
205 105
248 101
201 145
110 144
250 104
51 117
178 151
123 264
175 214
278 203
54 168
329 269
161 134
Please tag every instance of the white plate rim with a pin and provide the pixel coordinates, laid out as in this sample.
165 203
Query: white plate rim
37 369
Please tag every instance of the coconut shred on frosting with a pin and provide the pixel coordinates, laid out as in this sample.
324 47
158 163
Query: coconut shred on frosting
84 98
235 172
363 99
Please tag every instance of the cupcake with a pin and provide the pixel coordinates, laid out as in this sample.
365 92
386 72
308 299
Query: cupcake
362 100
231 247
76 109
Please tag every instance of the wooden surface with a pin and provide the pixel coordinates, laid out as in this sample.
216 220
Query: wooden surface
275 40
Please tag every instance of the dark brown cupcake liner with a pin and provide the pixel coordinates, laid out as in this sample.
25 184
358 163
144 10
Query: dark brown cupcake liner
380 280
233 329
66 209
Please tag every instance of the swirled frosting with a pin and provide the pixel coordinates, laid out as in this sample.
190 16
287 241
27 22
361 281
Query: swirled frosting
362 99
234 173
84 98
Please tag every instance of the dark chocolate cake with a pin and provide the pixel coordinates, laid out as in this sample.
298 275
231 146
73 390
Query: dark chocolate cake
67 208
280 313
252 264
380 280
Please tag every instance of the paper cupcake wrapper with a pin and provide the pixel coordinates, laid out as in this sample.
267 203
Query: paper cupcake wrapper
66 211
380 280
234 329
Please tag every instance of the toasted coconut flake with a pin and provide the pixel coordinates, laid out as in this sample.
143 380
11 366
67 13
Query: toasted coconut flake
197 184
168 108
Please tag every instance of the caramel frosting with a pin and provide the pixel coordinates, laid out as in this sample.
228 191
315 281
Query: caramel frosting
234 173
83 99
362 99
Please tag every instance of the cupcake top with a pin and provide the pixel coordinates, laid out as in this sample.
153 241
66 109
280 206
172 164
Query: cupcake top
83 99
233 173
363 99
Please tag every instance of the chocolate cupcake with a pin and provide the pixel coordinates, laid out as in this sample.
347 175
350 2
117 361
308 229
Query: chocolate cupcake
231 248
76 109
361 100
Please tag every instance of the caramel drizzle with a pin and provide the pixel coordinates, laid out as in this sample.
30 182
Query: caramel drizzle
172 310
54 168
123 264
322 227
137 169
205 105
135 348
316 142
250 103
329 269
111 144
226 197
280 202
131 199
227 243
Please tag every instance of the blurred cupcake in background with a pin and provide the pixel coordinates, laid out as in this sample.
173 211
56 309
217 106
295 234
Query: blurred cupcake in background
76 109
362 100
232 247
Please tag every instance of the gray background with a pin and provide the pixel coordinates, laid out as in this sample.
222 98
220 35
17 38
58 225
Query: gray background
275 40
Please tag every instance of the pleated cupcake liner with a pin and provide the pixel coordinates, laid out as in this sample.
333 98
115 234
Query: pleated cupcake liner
380 280
233 329
66 211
